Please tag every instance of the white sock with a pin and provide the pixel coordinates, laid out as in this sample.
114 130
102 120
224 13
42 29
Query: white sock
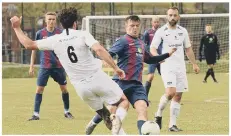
163 102
66 111
121 132
36 114
121 112
174 112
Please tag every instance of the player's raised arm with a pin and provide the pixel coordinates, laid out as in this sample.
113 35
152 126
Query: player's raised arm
103 54
24 40
149 59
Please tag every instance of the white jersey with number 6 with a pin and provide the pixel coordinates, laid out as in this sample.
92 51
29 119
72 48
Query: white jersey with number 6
73 52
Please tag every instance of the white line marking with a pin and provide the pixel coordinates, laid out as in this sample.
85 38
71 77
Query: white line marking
217 100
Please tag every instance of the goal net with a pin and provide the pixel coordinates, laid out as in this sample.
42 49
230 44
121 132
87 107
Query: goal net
106 29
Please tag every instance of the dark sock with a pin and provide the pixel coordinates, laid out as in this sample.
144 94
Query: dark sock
105 115
97 119
65 97
38 101
208 73
213 75
139 125
147 87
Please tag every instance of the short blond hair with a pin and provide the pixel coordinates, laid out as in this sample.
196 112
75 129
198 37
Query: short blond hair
50 13
155 18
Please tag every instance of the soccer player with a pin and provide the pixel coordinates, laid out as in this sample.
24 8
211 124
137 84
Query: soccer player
131 54
147 38
49 66
72 47
173 70
209 43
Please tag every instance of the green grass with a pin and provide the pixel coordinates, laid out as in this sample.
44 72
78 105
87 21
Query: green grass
196 117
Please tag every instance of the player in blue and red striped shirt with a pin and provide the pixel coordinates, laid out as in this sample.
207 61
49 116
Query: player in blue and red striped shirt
147 38
131 54
49 66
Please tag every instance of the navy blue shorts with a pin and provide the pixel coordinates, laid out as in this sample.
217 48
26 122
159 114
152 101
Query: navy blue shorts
152 68
58 74
133 90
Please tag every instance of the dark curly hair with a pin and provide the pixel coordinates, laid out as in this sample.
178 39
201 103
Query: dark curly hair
67 17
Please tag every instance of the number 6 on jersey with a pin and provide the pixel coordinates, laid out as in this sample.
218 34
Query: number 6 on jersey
72 56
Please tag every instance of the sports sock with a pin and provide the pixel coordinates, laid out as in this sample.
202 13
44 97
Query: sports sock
208 73
139 125
147 86
163 102
97 119
174 112
38 101
213 75
121 112
65 97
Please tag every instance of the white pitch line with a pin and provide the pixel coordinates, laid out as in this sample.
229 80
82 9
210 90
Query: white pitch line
217 100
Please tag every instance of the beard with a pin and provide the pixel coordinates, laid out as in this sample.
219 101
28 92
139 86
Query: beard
173 22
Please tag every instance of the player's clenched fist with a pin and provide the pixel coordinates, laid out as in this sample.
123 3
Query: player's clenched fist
16 21
196 68
172 51
120 73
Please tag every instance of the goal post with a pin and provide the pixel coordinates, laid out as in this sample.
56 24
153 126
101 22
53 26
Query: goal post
106 29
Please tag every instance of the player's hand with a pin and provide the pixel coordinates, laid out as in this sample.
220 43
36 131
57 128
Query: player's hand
172 51
196 68
120 73
31 71
16 21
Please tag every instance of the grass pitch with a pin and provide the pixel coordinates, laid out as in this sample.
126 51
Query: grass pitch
204 110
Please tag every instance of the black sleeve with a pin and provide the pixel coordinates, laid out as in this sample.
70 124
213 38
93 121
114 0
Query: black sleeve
217 46
149 59
201 46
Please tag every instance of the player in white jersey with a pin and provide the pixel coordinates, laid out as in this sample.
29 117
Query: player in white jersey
72 47
173 71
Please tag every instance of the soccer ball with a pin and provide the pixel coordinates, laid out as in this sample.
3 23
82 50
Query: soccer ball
150 128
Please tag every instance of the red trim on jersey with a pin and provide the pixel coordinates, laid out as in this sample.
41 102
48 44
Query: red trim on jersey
132 59
46 53
151 31
143 52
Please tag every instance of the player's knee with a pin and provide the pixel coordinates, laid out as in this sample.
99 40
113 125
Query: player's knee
150 77
140 106
141 109
170 92
63 88
40 89
177 97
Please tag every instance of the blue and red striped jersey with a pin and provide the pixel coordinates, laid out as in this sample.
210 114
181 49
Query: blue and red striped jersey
131 55
48 59
147 38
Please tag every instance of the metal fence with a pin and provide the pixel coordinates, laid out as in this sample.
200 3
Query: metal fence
33 14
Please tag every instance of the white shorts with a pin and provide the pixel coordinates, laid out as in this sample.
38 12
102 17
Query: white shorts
97 89
176 79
